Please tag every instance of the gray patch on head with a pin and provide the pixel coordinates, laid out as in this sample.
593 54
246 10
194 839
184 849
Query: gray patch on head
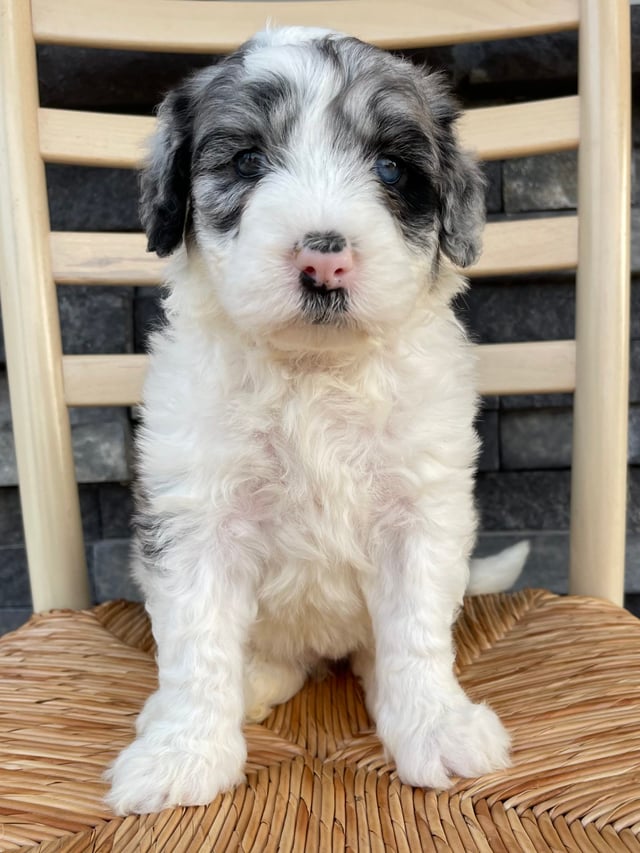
382 106
386 106
324 241
237 114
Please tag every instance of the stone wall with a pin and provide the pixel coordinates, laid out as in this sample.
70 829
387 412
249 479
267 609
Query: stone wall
524 481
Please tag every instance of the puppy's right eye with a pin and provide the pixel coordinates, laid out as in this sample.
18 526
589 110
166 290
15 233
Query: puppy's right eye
250 164
389 169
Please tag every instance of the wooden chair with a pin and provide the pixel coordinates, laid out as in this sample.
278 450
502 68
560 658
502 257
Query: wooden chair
564 673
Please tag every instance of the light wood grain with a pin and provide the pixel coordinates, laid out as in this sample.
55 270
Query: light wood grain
188 25
80 257
516 130
93 139
510 247
530 368
49 496
540 367
598 509
537 245
103 380
520 130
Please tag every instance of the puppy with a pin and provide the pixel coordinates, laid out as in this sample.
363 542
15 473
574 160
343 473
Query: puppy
306 461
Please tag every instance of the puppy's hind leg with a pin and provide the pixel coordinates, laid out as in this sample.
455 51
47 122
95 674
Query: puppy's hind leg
268 683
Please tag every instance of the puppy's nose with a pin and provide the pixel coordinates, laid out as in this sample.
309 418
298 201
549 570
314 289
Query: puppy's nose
331 269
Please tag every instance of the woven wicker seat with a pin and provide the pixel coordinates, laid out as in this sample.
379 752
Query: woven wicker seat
563 673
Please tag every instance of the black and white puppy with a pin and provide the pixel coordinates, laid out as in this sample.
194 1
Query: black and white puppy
307 457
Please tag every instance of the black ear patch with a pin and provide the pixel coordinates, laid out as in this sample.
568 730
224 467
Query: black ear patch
165 182
462 203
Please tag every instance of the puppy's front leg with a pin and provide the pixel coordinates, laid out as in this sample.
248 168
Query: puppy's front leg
189 743
423 717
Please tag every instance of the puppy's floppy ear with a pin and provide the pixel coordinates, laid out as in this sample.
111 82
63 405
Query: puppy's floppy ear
165 182
461 189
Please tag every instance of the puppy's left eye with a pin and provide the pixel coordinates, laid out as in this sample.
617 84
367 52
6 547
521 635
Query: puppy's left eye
389 170
250 164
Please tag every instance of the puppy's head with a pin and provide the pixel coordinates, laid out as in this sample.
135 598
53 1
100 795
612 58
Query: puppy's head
319 181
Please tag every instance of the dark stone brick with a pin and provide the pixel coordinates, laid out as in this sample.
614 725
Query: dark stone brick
14 579
116 508
5 405
635 309
96 319
11 532
634 382
519 310
96 414
14 575
635 241
536 401
634 435
487 426
111 572
13 617
148 315
90 509
538 500
525 68
101 451
8 471
632 603
635 37
543 438
92 199
527 500
493 193
633 501
545 182
89 78
538 438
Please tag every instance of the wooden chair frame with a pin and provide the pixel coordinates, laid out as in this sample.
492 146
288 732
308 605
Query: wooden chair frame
43 382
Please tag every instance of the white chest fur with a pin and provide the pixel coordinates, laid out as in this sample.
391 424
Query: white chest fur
301 461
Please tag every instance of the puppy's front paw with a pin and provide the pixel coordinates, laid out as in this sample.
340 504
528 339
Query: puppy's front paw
466 740
157 772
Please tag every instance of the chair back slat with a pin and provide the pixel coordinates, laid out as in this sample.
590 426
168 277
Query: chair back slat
541 367
511 247
514 130
204 27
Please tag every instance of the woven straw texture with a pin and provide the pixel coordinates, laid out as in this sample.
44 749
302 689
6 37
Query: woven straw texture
563 673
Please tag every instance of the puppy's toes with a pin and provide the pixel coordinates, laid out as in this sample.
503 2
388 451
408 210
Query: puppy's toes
468 740
473 741
152 774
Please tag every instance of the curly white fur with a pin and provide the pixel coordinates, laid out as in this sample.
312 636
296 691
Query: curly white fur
306 489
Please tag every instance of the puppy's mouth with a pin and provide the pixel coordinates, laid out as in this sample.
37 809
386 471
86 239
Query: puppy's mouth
322 305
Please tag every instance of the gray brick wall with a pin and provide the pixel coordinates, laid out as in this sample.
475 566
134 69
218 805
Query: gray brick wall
524 482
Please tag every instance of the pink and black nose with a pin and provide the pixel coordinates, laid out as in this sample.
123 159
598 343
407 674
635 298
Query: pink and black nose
325 261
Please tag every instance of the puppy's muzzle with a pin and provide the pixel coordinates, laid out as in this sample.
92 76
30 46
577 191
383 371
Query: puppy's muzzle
325 261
